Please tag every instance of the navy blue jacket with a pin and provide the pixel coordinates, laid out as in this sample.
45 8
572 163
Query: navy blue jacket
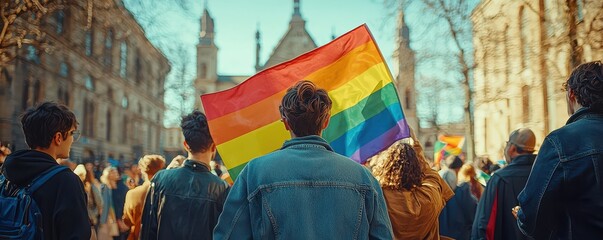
563 198
457 217
493 218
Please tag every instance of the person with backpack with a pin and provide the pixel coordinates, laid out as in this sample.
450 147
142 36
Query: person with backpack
46 200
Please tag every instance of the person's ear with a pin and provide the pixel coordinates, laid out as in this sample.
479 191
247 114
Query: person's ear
287 127
186 147
326 124
213 147
58 138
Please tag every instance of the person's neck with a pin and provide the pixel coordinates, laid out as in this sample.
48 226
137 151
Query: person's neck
48 151
202 157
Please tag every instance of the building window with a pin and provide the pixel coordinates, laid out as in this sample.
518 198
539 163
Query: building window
89 83
525 96
63 69
88 43
138 68
123 59
32 54
88 118
60 19
108 48
525 33
580 10
124 102
110 94
108 133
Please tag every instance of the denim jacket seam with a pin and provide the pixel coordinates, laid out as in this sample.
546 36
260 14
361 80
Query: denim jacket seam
581 155
258 189
359 217
271 217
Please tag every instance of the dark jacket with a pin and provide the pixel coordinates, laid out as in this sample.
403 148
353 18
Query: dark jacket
457 217
61 199
183 203
563 198
494 218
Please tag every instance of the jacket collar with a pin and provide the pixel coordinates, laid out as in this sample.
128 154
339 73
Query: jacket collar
583 112
196 166
307 141
526 159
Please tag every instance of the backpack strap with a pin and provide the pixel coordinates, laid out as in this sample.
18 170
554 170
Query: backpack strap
45 176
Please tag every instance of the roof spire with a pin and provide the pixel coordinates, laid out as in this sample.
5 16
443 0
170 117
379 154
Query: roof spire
296 11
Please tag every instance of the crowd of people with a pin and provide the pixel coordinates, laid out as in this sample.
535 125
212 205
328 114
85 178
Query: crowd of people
305 190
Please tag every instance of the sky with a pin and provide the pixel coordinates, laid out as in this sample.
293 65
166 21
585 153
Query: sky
236 22
172 27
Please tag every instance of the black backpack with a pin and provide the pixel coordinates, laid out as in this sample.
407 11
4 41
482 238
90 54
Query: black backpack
20 217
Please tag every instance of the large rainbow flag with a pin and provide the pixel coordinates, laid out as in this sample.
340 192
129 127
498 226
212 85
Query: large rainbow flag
366 116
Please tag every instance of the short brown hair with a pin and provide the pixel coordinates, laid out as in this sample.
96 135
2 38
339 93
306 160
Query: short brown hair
306 108
151 164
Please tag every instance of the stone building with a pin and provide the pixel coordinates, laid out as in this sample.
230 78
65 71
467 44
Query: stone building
296 41
108 74
524 51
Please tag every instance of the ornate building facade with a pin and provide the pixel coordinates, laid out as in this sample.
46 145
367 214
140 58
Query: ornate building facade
106 72
296 41
524 51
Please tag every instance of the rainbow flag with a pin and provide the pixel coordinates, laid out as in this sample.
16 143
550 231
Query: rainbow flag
447 145
366 116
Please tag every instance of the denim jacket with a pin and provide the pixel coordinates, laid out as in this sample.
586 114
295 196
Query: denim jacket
304 191
563 198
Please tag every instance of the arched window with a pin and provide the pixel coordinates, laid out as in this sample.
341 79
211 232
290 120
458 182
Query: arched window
525 96
524 38
32 54
124 102
60 19
88 42
138 68
108 48
110 94
123 59
64 69
89 118
89 82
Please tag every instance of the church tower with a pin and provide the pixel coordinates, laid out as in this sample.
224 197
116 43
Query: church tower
296 41
405 82
207 58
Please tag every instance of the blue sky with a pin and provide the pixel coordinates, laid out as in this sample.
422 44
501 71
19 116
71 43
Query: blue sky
237 20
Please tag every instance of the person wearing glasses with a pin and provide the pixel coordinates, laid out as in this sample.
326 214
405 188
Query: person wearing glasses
493 218
49 130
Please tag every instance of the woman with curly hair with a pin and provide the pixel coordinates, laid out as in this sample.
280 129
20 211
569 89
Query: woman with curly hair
415 193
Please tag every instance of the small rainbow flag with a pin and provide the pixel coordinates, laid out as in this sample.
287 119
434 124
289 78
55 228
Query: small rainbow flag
366 116
447 145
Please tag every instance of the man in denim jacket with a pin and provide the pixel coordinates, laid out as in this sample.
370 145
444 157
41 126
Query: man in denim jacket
304 190
563 198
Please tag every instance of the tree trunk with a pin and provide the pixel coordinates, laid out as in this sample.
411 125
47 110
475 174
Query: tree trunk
543 68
